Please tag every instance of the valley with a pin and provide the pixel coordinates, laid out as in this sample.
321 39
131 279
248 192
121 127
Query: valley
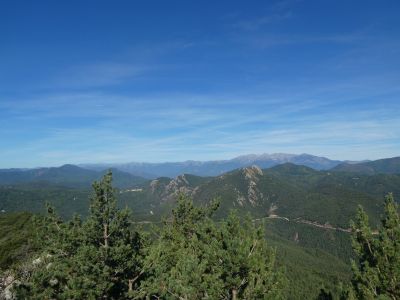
306 212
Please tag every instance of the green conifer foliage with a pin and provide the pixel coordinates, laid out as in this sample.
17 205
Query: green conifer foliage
376 275
192 256
247 263
196 258
182 263
98 258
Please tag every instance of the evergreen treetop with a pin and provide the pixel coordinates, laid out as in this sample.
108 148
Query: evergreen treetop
376 274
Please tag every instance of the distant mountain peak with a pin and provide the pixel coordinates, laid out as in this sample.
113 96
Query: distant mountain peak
218 167
69 167
252 171
263 156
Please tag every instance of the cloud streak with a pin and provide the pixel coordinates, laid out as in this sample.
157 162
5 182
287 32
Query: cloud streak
101 74
121 129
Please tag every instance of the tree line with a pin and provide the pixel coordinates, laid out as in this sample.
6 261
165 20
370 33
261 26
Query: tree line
190 257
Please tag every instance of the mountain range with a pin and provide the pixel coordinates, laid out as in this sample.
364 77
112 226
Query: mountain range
306 211
217 167
126 175
287 190
66 175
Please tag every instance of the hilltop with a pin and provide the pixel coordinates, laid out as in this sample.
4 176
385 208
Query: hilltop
380 166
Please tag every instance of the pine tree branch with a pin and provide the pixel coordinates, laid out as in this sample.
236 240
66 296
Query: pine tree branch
252 248
137 276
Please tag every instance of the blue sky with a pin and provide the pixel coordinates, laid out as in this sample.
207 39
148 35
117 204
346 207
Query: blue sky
120 81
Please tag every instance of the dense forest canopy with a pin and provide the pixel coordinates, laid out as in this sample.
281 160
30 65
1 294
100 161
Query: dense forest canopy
192 255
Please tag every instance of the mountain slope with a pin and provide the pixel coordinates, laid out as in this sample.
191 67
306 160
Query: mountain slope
16 230
312 196
66 175
287 191
326 199
380 166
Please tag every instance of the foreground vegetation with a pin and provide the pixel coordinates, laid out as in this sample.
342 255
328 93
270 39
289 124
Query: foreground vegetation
16 233
194 257
376 273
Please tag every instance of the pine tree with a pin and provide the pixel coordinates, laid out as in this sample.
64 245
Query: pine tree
182 262
377 271
247 263
98 258
197 258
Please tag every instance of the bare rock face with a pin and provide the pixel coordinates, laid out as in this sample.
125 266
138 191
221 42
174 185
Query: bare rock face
169 191
254 196
272 210
296 237
252 173
7 283
240 199
153 185
181 180
10 280
177 186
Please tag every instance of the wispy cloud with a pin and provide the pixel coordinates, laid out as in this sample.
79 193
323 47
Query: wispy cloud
204 126
98 75
333 138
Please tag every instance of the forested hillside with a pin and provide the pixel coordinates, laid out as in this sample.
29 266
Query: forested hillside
17 233
67 175
305 213
190 253
380 166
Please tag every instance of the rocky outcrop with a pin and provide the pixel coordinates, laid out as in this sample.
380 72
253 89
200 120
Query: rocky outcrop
12 279
7 283
251 175
153 185
169 190
240 199
178 185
